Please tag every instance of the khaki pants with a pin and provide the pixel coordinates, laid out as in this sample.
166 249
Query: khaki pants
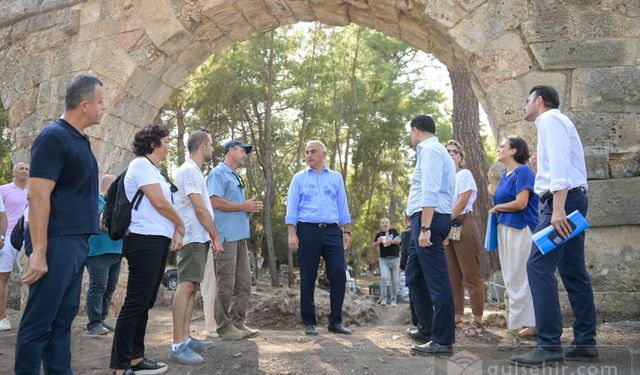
208 290
24 288
463 264
233 284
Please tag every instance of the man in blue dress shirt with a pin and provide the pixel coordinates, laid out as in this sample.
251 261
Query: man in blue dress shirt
316 209
561 183
429 204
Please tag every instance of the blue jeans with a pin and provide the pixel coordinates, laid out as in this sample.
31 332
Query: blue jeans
44 335
568 259
428 280
103 271
389 269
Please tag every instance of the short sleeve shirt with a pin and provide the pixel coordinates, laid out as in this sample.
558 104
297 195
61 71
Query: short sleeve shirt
15 200
389 250
224 183
464 183
190 180
146 219
508 188
101 243
62 154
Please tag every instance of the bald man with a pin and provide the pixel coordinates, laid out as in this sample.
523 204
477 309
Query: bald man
103 265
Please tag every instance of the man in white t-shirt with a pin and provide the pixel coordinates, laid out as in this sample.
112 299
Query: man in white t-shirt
194 206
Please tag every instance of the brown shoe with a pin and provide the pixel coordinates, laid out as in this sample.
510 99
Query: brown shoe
231 333
251 333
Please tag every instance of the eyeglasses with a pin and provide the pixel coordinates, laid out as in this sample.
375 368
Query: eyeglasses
451 151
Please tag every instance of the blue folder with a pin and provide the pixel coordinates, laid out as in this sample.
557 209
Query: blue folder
546 244
491 237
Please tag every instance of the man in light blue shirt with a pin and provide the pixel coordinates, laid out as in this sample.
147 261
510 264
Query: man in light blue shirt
233 275
316 208
429 205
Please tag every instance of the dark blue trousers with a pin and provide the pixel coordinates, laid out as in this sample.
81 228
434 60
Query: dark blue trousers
316 242
104 270
568 259
428 280
44 335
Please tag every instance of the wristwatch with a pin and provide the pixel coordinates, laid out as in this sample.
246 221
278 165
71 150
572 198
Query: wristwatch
425 229
2 237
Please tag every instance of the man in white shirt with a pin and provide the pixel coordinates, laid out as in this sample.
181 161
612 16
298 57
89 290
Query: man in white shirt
561 183
194 206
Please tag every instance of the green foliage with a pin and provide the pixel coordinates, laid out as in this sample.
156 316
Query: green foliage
347 86
5 147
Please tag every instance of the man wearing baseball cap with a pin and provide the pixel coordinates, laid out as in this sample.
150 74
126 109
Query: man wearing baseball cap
233 278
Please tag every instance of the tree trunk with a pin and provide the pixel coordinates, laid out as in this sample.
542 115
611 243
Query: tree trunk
181 127
354 108
268 169
466 130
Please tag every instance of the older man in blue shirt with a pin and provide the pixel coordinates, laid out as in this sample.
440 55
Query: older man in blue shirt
316 208
429 205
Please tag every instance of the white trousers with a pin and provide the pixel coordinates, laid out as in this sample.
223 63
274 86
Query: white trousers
208 290
514 246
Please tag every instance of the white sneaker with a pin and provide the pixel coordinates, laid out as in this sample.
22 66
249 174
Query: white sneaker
383 303
394 303
5 325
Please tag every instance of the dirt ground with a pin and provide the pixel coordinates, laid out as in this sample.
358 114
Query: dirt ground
378 344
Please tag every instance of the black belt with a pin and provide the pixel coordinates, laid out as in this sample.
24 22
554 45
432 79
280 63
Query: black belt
321 225
435 213
548 195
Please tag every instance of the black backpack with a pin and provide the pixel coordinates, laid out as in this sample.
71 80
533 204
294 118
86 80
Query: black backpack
17 234
116 215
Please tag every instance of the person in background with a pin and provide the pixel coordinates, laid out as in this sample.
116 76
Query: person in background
463 254
14 197
387 242
516 205
155 228
103 265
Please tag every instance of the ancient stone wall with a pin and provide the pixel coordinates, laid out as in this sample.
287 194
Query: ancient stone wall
143 49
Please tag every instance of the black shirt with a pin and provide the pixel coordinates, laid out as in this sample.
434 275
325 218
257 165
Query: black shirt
405 238
391 250
62 154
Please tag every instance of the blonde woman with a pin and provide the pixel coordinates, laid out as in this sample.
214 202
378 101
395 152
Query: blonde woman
463 253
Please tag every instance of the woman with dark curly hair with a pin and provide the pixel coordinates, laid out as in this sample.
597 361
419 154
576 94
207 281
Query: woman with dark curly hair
155 227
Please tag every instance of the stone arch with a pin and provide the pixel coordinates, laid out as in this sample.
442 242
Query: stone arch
143 49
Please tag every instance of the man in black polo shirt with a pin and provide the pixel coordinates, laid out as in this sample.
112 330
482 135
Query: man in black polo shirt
62 214
388 243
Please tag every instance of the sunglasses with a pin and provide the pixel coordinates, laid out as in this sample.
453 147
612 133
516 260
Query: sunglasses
240 180
456 152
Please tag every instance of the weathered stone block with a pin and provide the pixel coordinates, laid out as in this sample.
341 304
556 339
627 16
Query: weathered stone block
625 164
577 54
301 10
506 101
362 17
127 40
445 12
134 110
389 29
159 20
40 65
144 52
387 12
614 202
613 130
413 33
280 10
554 21
156 93
629 8
337 15
487 22
15 79
196 54
470 5
523 129
557 80
612 255
90 12
24 106
111 62
45 40
606 89
597 161
175 76
256 14
138 82
504 58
